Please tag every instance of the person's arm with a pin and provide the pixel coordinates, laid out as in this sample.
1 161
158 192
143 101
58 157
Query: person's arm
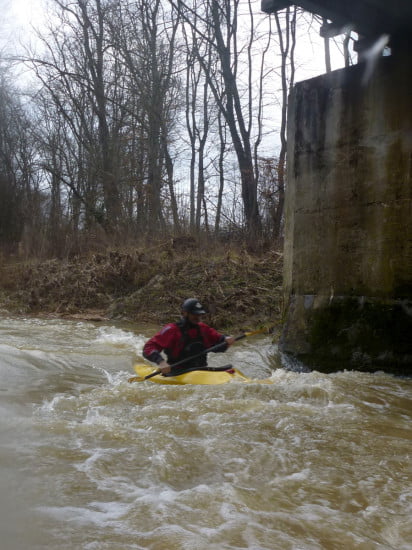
153 348
212 337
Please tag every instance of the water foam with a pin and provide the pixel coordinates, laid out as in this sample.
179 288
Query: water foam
117 337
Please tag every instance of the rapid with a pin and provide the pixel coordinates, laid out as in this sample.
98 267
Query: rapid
88 461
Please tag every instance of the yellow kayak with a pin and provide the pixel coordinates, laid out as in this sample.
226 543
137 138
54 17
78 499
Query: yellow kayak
206 377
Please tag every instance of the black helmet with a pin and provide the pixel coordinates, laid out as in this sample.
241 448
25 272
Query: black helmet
192 305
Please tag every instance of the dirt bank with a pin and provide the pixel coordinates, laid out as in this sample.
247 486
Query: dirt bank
240 290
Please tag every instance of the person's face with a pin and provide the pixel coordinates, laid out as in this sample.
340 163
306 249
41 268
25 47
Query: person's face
192 317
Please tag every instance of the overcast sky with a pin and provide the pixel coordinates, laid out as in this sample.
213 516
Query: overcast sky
21 14
24 11
17 18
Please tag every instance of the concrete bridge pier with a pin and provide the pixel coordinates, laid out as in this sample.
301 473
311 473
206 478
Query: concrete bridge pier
348 234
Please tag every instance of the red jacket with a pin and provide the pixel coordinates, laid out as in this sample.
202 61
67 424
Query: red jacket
175 338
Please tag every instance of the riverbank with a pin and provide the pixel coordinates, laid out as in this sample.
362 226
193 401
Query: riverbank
239 289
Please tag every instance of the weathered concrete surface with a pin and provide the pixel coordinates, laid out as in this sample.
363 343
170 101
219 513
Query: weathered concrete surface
348 251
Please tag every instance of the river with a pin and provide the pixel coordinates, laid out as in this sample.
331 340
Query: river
90 462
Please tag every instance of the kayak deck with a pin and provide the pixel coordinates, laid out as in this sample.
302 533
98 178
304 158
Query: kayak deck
205 377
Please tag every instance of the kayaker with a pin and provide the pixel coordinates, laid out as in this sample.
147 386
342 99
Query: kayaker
186 338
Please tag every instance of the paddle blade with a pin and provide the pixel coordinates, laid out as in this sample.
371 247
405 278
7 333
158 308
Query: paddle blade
258 331
136 379
141 378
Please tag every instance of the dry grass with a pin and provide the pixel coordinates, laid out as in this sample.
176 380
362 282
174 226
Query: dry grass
238 288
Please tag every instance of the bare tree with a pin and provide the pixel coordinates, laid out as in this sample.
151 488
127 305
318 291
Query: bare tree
111 125
10 190
199 118
83 82
21 199
221 171
218 27
287 42
145 37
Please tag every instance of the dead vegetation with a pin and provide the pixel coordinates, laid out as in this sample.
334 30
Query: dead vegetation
239 289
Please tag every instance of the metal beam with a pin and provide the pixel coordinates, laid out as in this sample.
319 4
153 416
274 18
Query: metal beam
271 6
330 30
367 17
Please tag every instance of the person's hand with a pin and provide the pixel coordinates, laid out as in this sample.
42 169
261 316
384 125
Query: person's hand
164 367
230 340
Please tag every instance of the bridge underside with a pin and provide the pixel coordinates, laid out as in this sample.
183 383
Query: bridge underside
369 18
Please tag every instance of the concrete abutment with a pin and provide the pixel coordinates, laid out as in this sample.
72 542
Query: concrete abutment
348 212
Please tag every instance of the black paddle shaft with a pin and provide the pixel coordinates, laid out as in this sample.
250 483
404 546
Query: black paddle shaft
213 348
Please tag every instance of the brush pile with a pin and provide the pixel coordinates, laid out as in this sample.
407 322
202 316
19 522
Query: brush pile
146 286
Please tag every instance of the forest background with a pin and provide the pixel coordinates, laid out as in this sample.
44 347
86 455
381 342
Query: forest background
143 153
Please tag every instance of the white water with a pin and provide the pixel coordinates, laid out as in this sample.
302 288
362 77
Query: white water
88 461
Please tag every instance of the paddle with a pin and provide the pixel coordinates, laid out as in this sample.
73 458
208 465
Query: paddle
213 348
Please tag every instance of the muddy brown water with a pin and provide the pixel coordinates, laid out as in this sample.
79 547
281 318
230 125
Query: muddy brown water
87 461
